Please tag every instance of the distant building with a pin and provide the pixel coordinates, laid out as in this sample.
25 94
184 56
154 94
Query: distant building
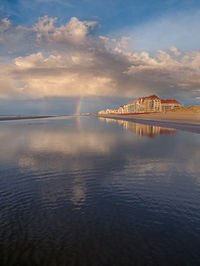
148 104
108 111
169 104
121 109
102 112
111 111
132 106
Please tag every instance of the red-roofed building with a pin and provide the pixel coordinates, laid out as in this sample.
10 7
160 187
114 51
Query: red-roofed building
145 104
149 104
169 104
132 106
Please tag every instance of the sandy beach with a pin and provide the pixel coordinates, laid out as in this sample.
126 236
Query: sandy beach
185 120
180 118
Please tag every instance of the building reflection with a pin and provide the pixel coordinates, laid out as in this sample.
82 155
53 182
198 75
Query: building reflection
142 129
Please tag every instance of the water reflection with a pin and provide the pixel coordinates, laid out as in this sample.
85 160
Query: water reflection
141 129
62 146
82 192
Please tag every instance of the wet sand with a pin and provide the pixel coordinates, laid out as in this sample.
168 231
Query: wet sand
189 121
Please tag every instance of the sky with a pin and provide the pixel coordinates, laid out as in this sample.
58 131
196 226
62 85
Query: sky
54 53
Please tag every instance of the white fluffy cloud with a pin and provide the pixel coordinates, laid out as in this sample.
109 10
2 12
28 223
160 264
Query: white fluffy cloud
70 61
74 32
180 71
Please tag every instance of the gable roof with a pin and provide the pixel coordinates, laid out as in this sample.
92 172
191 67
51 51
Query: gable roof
172 101
153 96
133 102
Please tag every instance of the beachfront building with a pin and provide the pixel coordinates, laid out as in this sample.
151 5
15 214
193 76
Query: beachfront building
169 104
112 111
108 111
102 112
148 104
123 109
132 106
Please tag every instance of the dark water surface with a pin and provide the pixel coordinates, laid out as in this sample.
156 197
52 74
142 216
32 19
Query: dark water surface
85 191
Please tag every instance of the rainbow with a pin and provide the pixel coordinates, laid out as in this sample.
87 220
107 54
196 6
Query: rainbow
78 106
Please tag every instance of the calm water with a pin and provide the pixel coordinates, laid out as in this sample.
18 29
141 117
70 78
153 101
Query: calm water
88 191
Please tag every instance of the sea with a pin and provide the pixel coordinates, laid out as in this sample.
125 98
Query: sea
95 191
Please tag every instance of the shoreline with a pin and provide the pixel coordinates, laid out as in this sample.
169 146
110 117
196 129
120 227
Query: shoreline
184 121
12 117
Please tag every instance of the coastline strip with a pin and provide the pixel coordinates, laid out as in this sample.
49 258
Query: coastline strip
184 122
8 118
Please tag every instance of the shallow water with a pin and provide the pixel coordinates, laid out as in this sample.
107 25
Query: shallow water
88 191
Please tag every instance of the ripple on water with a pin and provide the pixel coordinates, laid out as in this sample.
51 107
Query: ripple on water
69 196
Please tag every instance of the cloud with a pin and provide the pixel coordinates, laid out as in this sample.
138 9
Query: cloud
166 71
60 75
70 61
175 51
4 25
74 32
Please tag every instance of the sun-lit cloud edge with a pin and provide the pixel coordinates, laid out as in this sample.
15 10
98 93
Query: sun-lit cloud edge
69 61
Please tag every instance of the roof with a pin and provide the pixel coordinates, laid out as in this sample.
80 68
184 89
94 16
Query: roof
133 102
153 96
172 101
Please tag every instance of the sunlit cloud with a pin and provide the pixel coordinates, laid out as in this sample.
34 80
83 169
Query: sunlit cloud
73 33
70 61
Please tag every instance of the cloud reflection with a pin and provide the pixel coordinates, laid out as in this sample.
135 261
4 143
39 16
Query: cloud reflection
63 160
